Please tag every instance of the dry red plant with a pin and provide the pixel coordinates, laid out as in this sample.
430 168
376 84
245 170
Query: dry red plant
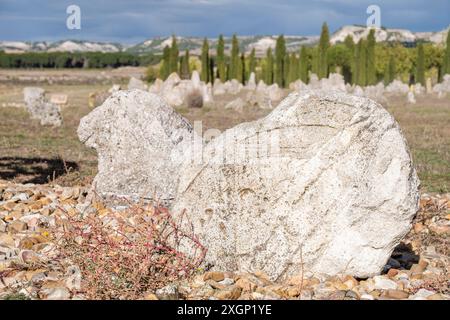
119 259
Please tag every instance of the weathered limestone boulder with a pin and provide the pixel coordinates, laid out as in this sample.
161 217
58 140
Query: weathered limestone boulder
195 78
237 105
50 114
156 86
33 97
140 141
314 82
251 84
233 86
39 108
259 98
325 180
135 83
397 87
419 89
411 98
219 88
429 86
261 86
376 93
335 81
274 92
207 92
358 91
442 88
173 91
115 88
298 85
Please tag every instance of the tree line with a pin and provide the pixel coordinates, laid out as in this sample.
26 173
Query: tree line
74 60
365 62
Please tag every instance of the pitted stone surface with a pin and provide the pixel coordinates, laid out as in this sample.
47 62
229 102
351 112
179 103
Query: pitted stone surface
140 141
336 194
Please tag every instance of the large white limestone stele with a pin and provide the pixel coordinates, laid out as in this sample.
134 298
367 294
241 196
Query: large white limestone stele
336 193
140 141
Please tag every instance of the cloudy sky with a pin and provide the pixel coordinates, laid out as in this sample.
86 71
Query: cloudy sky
131 21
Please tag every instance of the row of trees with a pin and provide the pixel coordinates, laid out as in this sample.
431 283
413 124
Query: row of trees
74 60
363 63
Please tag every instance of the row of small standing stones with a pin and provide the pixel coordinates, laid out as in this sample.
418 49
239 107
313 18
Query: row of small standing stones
196 93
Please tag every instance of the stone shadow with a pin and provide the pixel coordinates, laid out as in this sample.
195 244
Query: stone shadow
34 170
402 258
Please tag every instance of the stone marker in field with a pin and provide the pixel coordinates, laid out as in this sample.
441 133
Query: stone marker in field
140 141
39 108
324 181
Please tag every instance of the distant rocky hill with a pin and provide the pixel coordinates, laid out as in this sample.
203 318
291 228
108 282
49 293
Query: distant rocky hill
247 43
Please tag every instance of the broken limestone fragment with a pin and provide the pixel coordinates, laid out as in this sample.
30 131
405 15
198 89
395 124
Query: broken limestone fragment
140 142
325 180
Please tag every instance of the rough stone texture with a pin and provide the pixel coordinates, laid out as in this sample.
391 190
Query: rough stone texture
338 193
33 97
39 108
140 141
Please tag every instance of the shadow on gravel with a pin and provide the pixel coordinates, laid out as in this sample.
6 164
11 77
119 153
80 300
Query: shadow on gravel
34 170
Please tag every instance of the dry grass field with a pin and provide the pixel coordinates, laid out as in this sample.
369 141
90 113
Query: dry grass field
32 153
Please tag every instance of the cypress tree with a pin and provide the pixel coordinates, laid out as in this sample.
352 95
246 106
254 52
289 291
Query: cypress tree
221 67
446 64
361 63
173 56
293 69
303 65
268 74
420 69
234 61
280 54
252 62
349 71
204 75
371 72
165 66
391 70
185 71
241 69
286 69
324 44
